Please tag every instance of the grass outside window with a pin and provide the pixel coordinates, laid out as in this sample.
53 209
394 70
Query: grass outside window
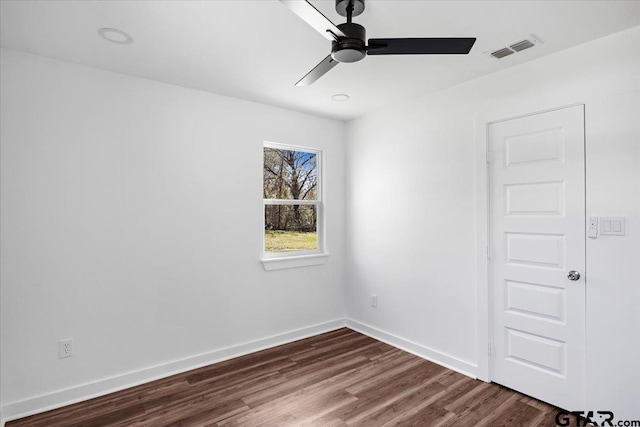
284 241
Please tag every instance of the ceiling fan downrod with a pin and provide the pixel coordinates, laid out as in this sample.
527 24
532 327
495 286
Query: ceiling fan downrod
353 47
350 12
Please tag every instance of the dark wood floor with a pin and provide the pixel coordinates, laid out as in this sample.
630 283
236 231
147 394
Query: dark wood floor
341 378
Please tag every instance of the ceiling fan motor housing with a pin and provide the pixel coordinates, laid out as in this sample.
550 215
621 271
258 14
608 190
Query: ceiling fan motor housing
351 48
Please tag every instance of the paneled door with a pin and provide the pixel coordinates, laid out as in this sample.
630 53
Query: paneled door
537 251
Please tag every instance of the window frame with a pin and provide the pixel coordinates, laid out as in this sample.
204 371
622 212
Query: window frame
289 259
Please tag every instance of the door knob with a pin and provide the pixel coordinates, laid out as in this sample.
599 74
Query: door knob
573 275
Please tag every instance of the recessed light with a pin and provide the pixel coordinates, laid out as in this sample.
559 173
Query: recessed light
340 97
114 35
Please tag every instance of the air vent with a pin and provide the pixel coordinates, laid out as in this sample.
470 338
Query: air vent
502 53
526 43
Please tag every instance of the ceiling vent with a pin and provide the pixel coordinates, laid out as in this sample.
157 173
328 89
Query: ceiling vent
519 46
502 53
522 45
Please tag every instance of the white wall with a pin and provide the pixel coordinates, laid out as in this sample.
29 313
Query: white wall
411 218
132 222
613 263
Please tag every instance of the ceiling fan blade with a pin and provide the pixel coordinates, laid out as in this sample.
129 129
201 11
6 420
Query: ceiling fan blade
432 46
318 71
312 16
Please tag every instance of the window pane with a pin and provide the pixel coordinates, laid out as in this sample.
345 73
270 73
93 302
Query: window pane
290 228
291 175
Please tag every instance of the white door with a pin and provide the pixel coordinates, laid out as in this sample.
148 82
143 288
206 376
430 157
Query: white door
537 190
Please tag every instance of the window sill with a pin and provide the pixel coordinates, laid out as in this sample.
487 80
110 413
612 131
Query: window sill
294 261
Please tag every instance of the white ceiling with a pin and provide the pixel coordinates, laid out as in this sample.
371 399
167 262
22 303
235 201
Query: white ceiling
257 50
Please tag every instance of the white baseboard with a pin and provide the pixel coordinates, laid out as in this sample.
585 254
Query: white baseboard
60 398
435 356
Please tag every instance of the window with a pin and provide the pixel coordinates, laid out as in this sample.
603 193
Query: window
292 203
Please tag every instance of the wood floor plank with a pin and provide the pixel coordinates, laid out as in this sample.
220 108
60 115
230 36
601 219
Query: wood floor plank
390 391
517 414
429 415
301 381
406 364
452 377
501 411
480 405
391 410
337 379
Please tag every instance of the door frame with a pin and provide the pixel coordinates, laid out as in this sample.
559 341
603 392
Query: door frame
483 220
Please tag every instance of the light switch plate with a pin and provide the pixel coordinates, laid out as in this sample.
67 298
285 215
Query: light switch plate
612 226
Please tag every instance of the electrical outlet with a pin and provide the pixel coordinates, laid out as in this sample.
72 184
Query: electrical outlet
374 300
65 348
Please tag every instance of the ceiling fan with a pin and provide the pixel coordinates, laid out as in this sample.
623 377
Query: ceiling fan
348 39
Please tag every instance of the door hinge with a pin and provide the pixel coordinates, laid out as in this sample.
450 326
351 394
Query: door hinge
488 156
490 352
488 252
